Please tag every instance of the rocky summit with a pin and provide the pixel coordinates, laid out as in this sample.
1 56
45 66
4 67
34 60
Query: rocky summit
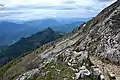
91 52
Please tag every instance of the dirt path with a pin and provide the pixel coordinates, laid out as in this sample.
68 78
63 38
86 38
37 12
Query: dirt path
107 67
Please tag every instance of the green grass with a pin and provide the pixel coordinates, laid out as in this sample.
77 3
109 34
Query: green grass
4 68
58 72
18 65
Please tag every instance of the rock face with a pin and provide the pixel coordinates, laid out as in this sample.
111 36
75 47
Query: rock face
87 54
102 38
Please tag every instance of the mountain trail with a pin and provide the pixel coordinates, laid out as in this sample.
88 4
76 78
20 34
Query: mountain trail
106 67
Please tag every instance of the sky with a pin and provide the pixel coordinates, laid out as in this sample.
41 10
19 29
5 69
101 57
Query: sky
40 9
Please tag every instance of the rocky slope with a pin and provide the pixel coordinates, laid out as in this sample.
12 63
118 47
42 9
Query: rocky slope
92 52
103 34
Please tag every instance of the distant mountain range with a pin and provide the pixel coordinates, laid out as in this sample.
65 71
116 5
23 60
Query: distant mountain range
11 32
43 23
67 27
28 44
56 24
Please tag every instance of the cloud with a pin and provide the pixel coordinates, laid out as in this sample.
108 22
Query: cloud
12 3
64 7
69 2
105 0
37 9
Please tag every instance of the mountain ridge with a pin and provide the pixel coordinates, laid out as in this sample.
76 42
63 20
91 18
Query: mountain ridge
28 44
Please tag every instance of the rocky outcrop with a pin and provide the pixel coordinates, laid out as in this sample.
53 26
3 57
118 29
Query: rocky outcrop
28 74
103 34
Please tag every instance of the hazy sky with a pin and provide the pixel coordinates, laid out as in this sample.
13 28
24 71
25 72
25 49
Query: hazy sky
37 9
